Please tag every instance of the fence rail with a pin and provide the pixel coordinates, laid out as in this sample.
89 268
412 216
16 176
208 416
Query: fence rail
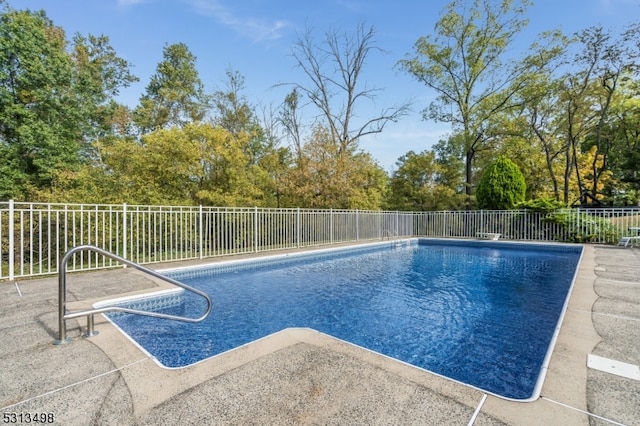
35 236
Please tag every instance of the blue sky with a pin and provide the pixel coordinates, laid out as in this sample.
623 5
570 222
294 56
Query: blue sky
254 37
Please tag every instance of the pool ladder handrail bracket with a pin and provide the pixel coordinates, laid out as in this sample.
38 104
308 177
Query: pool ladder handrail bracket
391 235
63 315
394 237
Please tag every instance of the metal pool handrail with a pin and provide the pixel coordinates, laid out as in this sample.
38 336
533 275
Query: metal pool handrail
63 315
392 235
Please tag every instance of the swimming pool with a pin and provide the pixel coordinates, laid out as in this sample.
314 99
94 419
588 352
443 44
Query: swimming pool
479 312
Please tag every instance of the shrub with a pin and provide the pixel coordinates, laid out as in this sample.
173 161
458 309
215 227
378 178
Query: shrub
581 227
541 205
502 185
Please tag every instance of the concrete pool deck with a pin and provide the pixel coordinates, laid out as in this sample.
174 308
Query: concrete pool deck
300 376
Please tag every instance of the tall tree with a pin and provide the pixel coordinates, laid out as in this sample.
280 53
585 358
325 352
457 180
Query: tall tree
449 155
38 131
334 70
276 159
606 62
55 99
175 95
624 158
232 110
99 75
465 62
234 113
543 128
289 118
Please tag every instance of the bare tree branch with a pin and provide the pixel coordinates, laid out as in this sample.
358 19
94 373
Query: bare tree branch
334 72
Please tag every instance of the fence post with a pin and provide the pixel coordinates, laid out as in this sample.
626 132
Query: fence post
11 242
298 227
200 232
397 230
444 223
255 229
124 231
331 226
357 225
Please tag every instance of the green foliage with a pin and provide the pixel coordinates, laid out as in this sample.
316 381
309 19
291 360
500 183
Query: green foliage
175 96
464 62
581 227
233 112
232 109
64 138
99 76
54 99
624 154
197 164
39 133
416 186
275 165
325 176
541 205
502 186
450 154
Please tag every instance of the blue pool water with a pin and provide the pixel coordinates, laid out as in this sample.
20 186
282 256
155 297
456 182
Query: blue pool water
483 313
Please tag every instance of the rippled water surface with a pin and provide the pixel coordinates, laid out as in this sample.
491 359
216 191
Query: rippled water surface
481 314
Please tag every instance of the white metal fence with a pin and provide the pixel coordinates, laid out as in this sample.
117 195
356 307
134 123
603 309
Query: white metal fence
604 226
35 236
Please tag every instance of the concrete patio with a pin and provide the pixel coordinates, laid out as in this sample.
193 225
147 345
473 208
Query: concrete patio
300 376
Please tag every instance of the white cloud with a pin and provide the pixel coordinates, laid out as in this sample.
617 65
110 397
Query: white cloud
256 29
